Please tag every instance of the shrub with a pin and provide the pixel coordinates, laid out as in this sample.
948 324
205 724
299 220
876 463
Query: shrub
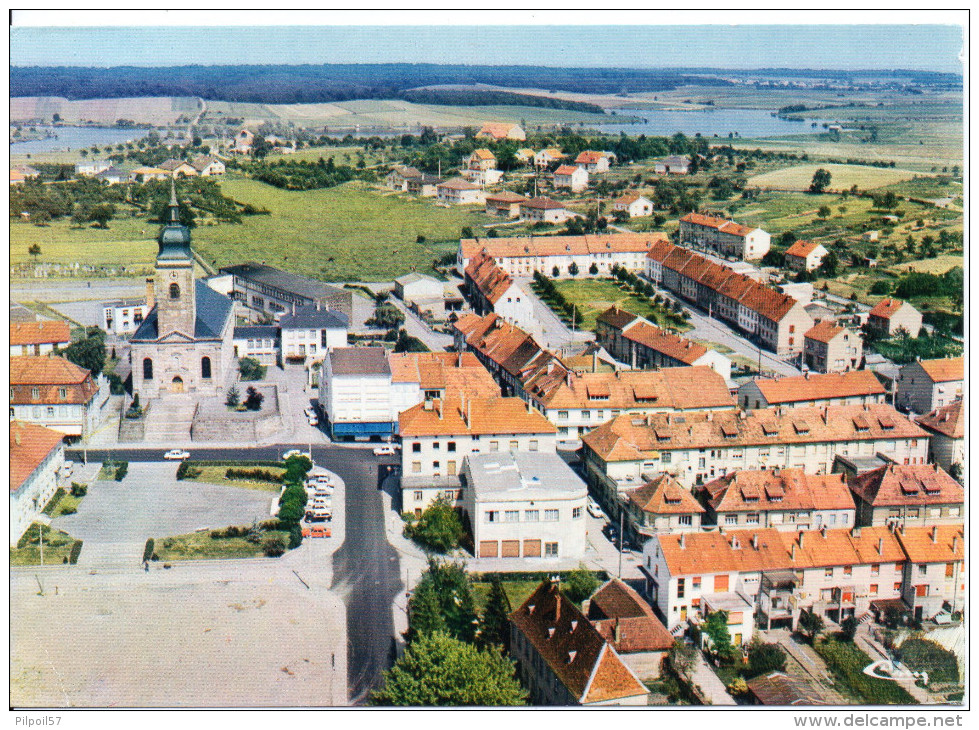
76 550
250 369
253 399
764 658
274 547
148 550
922 654
259 475
69 511
847 663
121 471
580 584
439 527
78 490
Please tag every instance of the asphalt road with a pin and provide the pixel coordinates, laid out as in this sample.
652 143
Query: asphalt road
366 569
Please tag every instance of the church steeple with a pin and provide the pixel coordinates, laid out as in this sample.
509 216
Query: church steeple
174 238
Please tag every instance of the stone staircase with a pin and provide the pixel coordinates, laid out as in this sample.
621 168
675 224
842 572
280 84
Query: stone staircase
170 418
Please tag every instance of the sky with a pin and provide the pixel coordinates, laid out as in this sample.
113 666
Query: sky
919 47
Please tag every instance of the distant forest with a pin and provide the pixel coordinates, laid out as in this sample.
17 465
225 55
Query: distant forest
310 84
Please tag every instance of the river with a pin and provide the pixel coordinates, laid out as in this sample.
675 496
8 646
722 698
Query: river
743 123
73 138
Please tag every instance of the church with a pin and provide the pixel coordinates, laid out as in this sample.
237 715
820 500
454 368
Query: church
184 345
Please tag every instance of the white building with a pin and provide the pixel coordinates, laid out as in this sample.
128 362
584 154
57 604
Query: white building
571 177
37 456
856 387
724 237
524 505
926 385
38 337
636 206
309 333
258 341
124 316
491 289
355 394
458 191
55 393
805 255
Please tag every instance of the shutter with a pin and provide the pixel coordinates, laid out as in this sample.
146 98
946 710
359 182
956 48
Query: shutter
488 549
531 548
511 549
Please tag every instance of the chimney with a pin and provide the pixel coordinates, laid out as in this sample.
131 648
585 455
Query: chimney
855 532
529 409
683 541
594 361
710 416
955 543
618 630
822 531
469 412
440 408
17 436
754 541
934 534
880 546
735 543
793 552
802 536
806 375
150 294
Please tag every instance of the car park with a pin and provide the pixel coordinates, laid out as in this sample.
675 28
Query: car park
176 455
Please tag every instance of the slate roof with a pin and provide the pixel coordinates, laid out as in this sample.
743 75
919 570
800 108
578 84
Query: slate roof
359 361
29 446
256 331
573 649
213 311
279 279
313 318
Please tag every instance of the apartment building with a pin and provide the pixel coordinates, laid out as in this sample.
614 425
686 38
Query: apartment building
458 191
124 316
925 385
634 340
491 289
37 457
437 435
258 341
525 255
700 447
662 504
307 334
503 348
39 337
770 318
57 394
934 574
834 573
355 394
830 348
563 660
946 430
891 316
785 499
857 387
920 494
723 237
524 505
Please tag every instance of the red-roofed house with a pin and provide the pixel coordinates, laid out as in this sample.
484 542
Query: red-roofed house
460 192
662 505
935 571
805 255
39 337
829 348
491 289
856 387
505 204
724 237
543 210
891 315
636 206
919 494
573 177
594 161
501 130
54 392
925 385
37 455
946 427
563 659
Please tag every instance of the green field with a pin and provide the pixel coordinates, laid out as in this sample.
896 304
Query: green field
368 234
216 475
938 265
594 296
844 177
126 241
201 546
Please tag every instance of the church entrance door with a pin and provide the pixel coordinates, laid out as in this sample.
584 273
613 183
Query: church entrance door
177 386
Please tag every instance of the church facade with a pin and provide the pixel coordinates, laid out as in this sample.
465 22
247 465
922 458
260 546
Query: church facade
184 345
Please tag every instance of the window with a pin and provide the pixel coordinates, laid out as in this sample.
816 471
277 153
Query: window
63 393
491 516
848 570
586 415
494 445
511 515
206 367
436 446
897 587
922 569
695 583
416 447
562 415
875 569
576 513
666 457
531 515
147 369
174 291
452 446
873 589
35 393
533 444
680 587
730 519
686 520
514 445
550 549
828 572
418 495
752 518
50 411
436 466
551 515
416 467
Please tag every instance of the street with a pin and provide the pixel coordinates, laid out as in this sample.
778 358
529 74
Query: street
414 326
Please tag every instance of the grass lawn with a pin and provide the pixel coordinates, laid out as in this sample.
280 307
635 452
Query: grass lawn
57 546
351 232
844 177
938 265
517 592
594 296
201 546
127 241
62 503
340 155
215 475
847 662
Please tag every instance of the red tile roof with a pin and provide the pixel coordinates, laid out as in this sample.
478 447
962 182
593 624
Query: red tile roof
947 420
617 318
505 196
936 544
819 386
528 246
49 375
589 157
626 621
785 489
497 130
30 445
886 308
673 346
896 485
944 370
448 371
573 649
801 249
480 415
492 281
663 495
566 170
44 332
824 331
457 183
721 224
542 204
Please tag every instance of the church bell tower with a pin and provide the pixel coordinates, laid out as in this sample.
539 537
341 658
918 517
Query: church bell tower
174 284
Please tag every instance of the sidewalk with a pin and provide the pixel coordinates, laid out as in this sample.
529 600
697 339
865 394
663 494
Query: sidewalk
710 684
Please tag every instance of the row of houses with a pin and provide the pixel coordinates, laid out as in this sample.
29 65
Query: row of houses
51 391
774 320
200 166
724 237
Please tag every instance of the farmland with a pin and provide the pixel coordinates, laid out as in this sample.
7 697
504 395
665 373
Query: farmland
844 177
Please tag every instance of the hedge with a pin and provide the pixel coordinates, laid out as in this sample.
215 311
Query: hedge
847 663
260 475
148 550
538 576
276 464
121 471
76 550
922 654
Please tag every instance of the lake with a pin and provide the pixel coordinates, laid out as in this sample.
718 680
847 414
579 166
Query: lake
73 138
745 123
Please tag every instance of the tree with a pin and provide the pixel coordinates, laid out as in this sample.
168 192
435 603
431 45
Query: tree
810 623
89 352
467 232
715 627
820 181
580 584
251 369
573 269
955 471
848 628
829 265
437 670
101 214
439 527
765 658
424 613
233 398
555 272
824 211
253 399
593 269
34 251
494 624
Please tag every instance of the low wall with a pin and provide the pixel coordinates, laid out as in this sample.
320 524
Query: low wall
216 423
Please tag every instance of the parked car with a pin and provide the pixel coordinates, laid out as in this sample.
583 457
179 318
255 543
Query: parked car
319 514
312 420
384 451
176 455
309 413
594 509
317 531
